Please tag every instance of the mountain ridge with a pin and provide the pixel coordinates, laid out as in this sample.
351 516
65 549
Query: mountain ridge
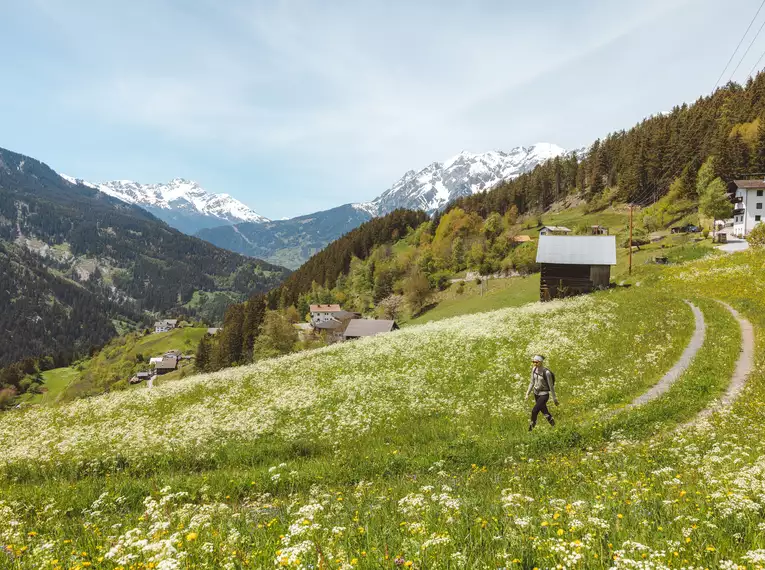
182 203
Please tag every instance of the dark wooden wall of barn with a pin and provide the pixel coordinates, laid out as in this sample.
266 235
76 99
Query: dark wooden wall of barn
564 280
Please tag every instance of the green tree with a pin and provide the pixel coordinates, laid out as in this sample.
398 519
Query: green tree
202 361
458 254
278 336
714 203
417 291
254 313
705 176
231 336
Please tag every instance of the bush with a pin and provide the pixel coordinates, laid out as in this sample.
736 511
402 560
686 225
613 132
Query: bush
461 288
439 280
756 237
525 258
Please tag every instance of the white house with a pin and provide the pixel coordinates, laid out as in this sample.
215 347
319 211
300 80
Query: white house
324 313
749 207
166 325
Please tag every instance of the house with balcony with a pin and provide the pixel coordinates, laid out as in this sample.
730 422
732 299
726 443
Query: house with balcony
748 206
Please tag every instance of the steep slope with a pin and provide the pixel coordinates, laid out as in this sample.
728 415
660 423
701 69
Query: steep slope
288 242
75 259
437 184
183 204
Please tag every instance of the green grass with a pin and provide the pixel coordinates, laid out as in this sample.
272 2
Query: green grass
409 450
113 366
494 294
614 219
54 383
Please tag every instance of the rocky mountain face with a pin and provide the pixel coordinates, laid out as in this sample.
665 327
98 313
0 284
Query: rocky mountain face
288 243
439 183
183 204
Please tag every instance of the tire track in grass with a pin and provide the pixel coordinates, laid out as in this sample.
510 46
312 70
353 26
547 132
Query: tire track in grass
744 367
666 382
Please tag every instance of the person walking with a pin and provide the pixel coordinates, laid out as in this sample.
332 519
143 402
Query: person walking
543 386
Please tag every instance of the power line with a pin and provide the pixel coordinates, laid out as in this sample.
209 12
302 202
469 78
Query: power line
747 50
739 45
751 71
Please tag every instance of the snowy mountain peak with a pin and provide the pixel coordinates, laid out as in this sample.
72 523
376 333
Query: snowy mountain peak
181 203
466 173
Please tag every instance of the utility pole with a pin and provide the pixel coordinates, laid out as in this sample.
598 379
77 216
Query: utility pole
630 242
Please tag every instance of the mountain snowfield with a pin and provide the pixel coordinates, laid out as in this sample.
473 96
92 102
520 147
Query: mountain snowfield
182 203
467 173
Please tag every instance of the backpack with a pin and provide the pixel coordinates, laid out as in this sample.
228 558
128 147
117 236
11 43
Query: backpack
552 377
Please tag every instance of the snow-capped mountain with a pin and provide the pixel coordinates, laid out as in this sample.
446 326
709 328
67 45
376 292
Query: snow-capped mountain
439 183
183 204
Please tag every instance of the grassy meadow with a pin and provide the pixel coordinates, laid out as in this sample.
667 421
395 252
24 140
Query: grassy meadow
410 450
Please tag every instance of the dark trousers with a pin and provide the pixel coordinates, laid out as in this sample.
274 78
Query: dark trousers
541 406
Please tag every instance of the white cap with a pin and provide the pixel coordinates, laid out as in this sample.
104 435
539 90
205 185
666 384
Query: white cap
538 358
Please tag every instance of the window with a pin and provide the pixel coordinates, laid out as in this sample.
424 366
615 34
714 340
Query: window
757 218
759 206
759 192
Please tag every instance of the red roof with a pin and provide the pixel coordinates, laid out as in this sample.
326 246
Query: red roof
325 308
750 184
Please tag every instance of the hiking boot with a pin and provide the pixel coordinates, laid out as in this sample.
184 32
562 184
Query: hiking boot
531 425
551 420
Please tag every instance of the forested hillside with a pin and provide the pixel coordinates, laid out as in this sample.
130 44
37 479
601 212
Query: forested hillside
74 261
640 164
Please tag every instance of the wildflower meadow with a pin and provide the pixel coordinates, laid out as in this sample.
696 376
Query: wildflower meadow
410 450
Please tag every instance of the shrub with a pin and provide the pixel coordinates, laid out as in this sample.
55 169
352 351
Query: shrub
756 237
525 258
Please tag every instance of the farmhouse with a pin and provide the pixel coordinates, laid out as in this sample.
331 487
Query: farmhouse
166 364
212 331
572 265
335 326
359 328
554 231
599 230
165 325
749 205
321 313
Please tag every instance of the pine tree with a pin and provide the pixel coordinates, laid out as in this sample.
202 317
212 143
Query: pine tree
231 335
203 355
255 311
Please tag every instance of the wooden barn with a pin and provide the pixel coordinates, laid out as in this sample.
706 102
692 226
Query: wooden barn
572 265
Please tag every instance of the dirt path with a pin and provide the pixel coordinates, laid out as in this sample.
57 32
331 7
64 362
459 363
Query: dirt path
744 366
680 366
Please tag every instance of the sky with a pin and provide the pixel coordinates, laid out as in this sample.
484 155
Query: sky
296 106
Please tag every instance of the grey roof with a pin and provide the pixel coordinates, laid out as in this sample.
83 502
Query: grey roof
577 250
368 327
168 362
555 228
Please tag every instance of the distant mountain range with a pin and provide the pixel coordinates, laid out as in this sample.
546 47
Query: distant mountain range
439 183
291 242
183 204
228 223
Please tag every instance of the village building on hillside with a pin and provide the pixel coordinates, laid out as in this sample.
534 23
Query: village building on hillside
554 231
359 328
749 206
322 313
599 230
165 365
165 325
140 377
212 331
572 265
335 326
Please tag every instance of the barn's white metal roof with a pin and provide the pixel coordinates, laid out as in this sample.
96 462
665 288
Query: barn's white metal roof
577 250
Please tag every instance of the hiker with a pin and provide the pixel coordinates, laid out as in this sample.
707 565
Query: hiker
543 385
